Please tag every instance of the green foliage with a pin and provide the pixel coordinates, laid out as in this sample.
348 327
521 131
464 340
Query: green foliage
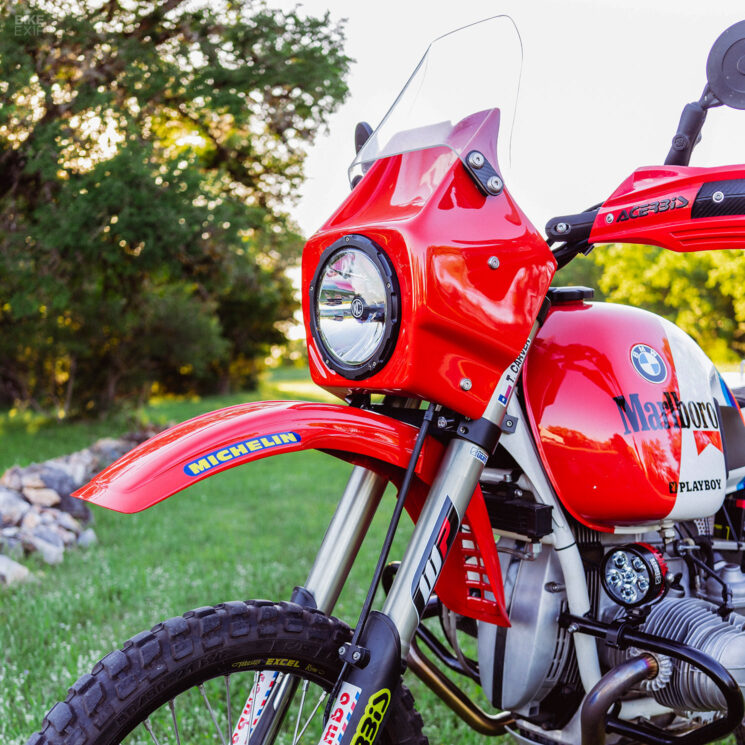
583 272
146 153
702 292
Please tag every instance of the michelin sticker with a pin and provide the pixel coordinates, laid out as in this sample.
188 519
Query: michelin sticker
238 450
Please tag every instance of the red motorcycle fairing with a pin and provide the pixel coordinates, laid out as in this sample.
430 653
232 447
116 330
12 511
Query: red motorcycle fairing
441 233
623 407
680 208
193 450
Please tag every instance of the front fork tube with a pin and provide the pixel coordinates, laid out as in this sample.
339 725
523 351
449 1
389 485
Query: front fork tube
387 635
335 557
344 536
433 536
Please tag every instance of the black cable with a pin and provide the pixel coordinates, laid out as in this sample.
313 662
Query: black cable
380 568
403 491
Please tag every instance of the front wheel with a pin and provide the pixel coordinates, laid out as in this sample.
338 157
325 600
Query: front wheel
204 676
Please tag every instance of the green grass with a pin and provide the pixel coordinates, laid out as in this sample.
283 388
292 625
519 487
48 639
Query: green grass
250 532
27 437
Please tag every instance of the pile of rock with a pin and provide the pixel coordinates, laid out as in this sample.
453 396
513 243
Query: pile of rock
37 513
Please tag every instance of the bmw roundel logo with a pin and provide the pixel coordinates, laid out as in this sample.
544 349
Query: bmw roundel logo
648 363
358 308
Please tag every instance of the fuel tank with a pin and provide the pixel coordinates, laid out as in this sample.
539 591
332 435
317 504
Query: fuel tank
625 411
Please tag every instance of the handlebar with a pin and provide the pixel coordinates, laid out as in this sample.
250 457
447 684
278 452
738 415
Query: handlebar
689 130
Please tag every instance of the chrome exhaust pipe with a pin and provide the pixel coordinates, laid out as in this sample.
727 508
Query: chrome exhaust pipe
454 698
608 690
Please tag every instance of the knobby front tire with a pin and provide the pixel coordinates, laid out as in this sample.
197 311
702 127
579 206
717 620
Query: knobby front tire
188 678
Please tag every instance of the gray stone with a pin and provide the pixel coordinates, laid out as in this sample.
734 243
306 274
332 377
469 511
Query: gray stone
108 449
11 571
59 480
11 532
31 520
68 537
68 522
50 536
77 508
49 552
87 538
12 506
77 466
30 477
41 495
11 479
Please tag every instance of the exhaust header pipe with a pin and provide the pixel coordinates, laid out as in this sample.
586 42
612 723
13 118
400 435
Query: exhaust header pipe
608 690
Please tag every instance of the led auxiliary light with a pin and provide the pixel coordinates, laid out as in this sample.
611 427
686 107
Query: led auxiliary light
354 307
633 574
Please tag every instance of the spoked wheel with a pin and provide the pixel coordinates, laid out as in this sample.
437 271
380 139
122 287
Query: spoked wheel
210 676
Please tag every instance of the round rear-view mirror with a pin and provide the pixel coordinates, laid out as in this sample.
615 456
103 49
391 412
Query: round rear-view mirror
725 68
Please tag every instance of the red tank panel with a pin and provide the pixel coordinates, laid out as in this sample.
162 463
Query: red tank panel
604 399
423 209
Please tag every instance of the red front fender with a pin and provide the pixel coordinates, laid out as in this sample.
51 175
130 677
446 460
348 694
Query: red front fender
189 452
214 442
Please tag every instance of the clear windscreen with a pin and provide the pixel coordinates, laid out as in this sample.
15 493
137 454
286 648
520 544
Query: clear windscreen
601 87
473 69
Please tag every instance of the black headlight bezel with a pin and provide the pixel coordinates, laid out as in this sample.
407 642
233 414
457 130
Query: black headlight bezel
393 318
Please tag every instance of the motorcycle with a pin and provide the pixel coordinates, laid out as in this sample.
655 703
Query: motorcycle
575 470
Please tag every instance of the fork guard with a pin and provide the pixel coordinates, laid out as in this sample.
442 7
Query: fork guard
201 447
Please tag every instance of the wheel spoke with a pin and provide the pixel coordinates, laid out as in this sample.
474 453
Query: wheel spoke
312 714
300 711
149 727
212 714
172 707
254 692
227 704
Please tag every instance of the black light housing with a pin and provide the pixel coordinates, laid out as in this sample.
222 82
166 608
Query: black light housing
633 574
355 307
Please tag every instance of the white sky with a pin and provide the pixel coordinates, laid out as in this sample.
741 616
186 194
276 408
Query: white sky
603 86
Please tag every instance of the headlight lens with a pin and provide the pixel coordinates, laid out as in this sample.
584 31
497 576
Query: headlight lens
354 308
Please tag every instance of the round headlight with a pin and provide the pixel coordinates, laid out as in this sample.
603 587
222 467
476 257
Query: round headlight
354 307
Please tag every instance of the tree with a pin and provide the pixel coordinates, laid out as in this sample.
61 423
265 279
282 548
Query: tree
147 150
702 292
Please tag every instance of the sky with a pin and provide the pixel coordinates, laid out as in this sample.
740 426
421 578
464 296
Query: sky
602 88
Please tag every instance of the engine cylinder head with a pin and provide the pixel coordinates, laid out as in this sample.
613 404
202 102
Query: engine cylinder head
695 623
